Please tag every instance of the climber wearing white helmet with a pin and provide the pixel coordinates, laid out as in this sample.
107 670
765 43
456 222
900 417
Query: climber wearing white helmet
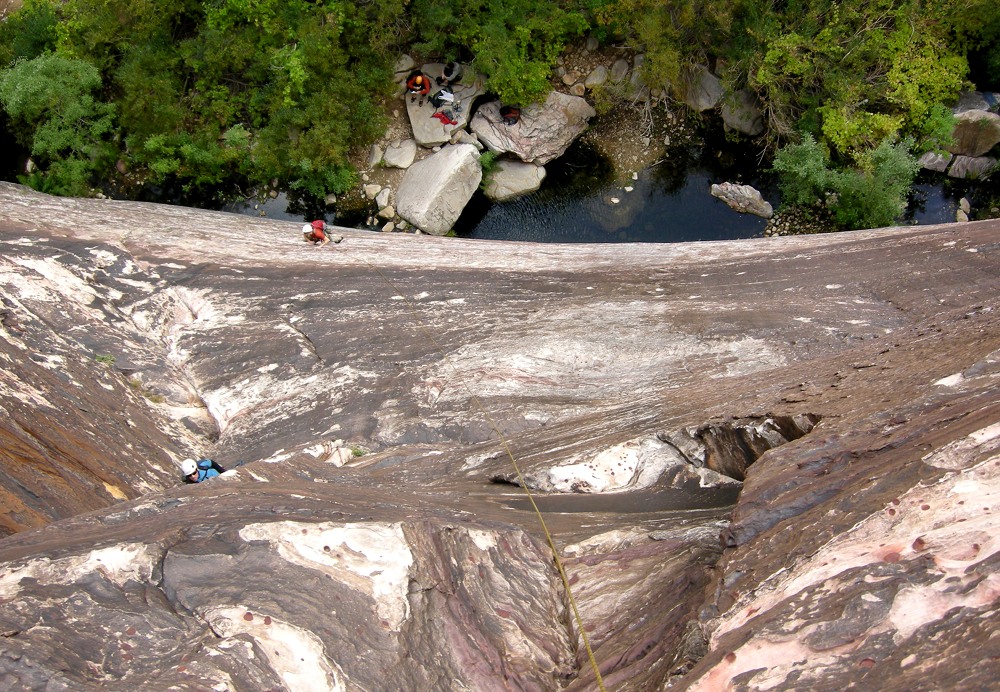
198 471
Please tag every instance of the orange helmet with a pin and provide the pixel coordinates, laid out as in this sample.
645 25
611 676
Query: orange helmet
419 80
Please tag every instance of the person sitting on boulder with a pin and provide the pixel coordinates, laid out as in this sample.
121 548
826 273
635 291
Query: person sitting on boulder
418 84
510 115
198 471
315 233
451 73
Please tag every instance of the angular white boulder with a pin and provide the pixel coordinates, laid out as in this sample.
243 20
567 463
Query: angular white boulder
435 190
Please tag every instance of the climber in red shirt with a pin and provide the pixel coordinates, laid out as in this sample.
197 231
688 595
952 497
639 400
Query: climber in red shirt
315 233
418 84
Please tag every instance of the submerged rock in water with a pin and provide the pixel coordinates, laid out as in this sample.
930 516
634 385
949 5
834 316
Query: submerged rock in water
743 198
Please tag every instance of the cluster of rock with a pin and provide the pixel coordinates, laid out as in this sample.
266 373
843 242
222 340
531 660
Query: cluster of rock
436 187
430 197
977 131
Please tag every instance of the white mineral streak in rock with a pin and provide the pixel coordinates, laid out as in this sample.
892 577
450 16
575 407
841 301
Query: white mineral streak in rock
24 392
607 542
297 655
952 522
57 283
610 469
330 452
750 356
484 540
956 455
559 351
951 380
118 563
631 466
369 557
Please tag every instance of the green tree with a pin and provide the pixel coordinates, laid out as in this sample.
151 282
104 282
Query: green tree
804 172
514 43
869 195
51 102
29 32
874 195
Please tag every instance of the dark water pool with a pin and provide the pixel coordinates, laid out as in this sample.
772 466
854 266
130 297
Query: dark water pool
669 202
580 202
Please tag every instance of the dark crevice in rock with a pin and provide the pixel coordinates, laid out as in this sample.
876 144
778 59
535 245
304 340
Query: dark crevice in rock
729 447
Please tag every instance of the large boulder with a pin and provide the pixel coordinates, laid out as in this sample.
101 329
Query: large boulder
972 167
743 198
700 89
543 133
975 133
741 112
430 131
935 161
400 153
435 190
511 179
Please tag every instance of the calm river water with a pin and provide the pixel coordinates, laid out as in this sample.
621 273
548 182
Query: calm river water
579 201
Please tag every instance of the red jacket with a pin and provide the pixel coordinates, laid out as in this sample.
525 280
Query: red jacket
418 83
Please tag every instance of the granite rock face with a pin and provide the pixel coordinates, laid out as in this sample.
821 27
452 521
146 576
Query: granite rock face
435 190
766 464
543 133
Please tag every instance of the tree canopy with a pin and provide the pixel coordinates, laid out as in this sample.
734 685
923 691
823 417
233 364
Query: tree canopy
203 93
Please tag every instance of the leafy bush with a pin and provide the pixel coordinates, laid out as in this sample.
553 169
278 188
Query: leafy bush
28 33
804 172
514 43
488 162
871 195
51 102
874 195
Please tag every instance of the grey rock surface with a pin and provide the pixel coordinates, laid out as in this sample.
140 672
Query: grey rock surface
741 112
400 153
849 379
700 89
429 131
935 161
543 133
743 198
510 179
435 190
974 167
975 133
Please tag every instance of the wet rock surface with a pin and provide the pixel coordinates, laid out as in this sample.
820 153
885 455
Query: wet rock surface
849 380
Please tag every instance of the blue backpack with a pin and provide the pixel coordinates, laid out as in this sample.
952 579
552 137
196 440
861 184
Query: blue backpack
207 469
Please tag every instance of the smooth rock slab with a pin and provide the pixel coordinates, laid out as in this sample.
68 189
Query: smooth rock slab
435 190
543 133
510 179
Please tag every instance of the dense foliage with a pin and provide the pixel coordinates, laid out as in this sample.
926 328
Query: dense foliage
869 195
205 93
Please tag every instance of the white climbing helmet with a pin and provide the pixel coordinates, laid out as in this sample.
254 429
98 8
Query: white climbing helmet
188 467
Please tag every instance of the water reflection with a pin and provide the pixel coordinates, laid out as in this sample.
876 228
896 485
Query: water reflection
579 202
